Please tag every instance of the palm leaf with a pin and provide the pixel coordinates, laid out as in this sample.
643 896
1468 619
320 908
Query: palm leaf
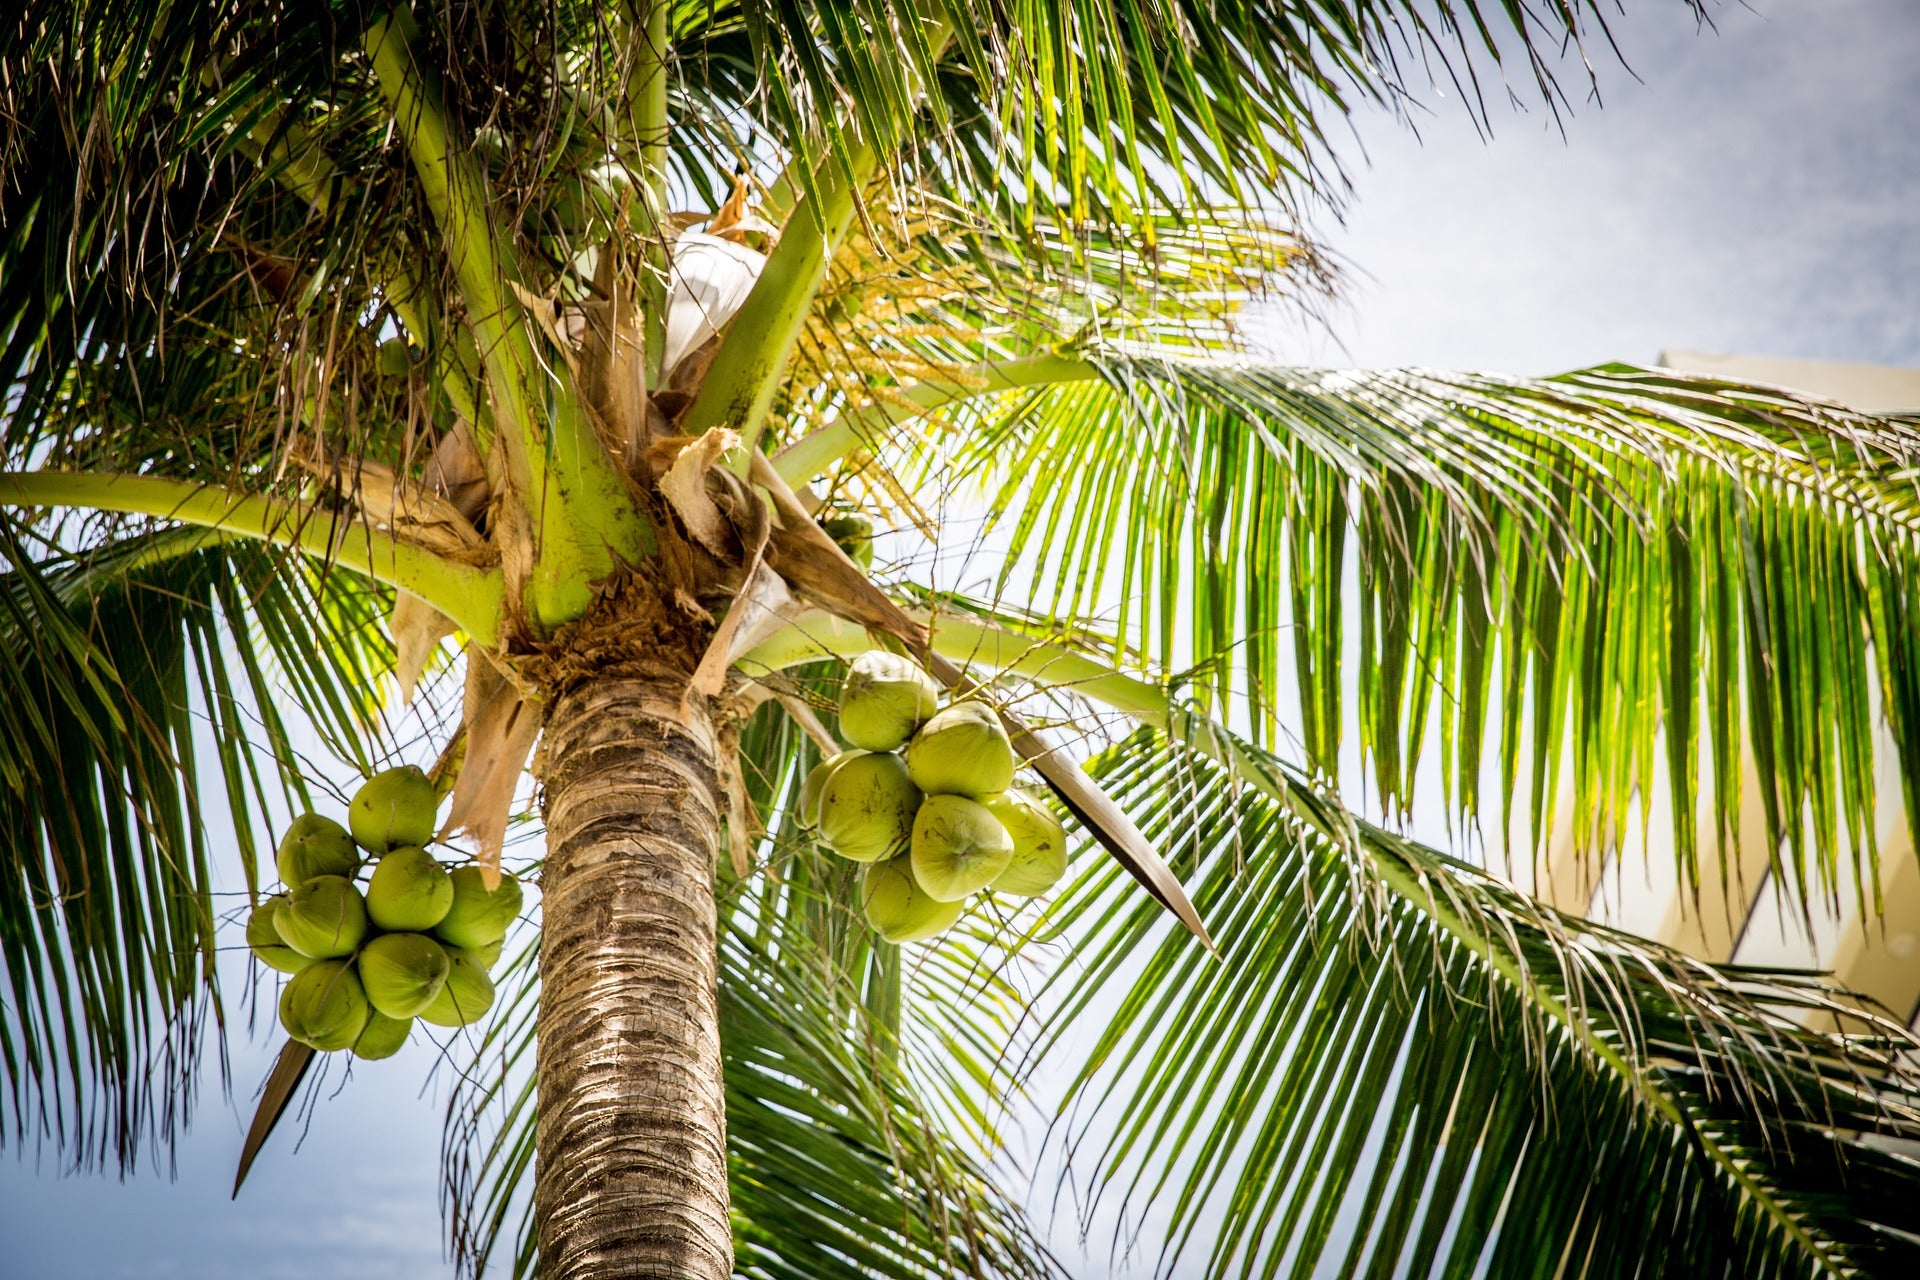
1093 112
128 661
1583 560
249 206
1403 1067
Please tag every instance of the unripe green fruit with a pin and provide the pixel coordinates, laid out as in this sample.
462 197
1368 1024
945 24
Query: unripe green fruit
854 534
884 698
315 846
477 916
382 1037
323 918
409 890
867 807
898 907
487 954
963 751
959 847
394 808
467 995
324 1006
403 972
265 940
1039 844
809 804
395 359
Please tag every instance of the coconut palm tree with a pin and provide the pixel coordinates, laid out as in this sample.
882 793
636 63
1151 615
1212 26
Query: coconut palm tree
343 340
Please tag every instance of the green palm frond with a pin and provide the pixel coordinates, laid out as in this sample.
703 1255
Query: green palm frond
147 255
198 202
813 1104
927 293
1400 1066
149 676
1583 560
1092 112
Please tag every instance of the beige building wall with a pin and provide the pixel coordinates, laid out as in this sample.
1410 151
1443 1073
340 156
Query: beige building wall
1881 957
1870 388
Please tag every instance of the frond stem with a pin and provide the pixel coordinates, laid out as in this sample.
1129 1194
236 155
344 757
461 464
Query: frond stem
647 121
752 360
812 454
583 521
457 194
471 596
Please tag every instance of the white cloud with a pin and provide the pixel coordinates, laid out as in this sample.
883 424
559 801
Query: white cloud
1756 193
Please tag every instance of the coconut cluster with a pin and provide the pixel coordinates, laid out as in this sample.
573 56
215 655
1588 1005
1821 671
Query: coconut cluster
925 796
415 941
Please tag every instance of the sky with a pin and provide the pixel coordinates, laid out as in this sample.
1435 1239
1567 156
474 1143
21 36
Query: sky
1753 191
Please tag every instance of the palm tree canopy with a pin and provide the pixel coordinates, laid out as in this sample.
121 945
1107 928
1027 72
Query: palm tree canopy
260 264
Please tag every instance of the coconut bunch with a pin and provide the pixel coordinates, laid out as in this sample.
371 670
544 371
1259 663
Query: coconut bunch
373 930
925 797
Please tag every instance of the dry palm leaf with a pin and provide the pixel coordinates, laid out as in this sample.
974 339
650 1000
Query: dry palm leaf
501 723
289 1069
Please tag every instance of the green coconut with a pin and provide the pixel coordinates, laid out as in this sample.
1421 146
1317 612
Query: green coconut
884 698
898 907
324 1006
467 995
395 359
315 846
265 940
488 954
854 534
323 918
394 808
409 889
1039 844
867 807
403 972
959 847
809 805
963 751
479 916
382 1037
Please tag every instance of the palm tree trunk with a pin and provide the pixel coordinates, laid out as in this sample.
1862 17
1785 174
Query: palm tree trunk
632 1171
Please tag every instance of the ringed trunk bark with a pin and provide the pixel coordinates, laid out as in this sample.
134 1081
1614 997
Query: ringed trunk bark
631 1177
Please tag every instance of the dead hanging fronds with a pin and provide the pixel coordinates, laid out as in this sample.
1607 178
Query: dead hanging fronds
501 720
417 629
437 512
444 511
